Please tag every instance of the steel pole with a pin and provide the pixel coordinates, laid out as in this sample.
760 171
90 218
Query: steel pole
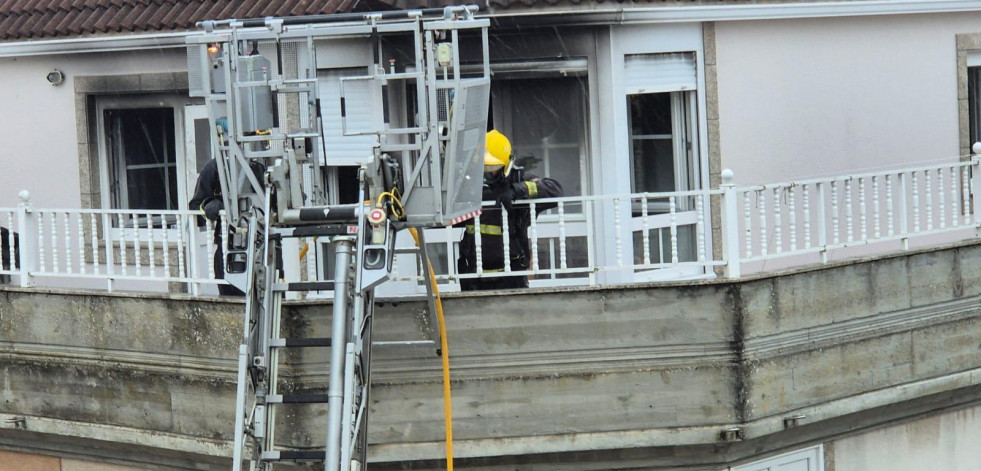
335 393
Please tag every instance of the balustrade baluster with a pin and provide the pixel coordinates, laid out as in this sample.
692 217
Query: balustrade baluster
165 249
953 197
674 230
792 212
137 247
862 210
534 238
616 229
876 214
806 194
849 211
942 202
563 259
761 202
966 192
890 216
777 220
10 242
700 226
834 214
506 240
150 245
181 233
928 189
122 244
748 224
646 230
55 265
916 203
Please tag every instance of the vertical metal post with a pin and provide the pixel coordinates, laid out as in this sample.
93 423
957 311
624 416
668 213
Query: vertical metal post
822 221
975 185
730 225
903 211
338 349
27 224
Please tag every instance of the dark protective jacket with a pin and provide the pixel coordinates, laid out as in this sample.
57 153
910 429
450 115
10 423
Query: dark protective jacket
517 186
207 195
207 192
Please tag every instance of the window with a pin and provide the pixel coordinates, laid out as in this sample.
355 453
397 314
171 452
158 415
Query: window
974 103
142 158
663 143
545 120
142 151
808 459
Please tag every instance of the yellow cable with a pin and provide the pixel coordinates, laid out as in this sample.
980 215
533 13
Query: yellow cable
305 249
447 400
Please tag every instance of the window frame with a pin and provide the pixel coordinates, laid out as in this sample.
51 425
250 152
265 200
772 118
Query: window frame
176 103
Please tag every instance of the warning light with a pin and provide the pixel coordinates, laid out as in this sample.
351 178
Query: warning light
213 49
376 216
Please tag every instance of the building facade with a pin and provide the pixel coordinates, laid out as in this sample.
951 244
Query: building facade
712 154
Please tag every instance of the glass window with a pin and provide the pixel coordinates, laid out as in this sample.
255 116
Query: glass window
651 143
545 120
142 158
974 103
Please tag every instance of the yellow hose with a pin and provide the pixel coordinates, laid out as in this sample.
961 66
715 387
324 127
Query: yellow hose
447 400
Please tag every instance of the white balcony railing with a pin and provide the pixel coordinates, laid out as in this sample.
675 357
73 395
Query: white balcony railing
584 240
135 250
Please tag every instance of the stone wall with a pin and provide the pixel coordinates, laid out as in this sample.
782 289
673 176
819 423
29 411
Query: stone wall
682 374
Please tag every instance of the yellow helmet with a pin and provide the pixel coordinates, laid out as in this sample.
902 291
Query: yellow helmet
497 153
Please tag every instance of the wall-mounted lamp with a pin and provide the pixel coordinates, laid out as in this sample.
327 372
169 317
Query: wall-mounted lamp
55 77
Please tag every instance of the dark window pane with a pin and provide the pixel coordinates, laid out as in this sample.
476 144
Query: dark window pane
147 188
202 143
546 117
653 165
650 114
143 159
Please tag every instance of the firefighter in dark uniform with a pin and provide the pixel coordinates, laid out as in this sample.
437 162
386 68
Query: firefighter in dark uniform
207 197
504 183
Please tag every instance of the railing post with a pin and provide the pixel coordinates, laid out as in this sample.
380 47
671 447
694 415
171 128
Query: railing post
730 225
27 224
975 185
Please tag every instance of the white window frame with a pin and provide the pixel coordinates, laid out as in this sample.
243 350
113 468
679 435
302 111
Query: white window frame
173 101
812 456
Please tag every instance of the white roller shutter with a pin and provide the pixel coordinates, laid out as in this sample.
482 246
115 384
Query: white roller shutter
656 73
364 114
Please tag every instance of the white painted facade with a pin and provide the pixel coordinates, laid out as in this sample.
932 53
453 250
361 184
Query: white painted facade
803 98
40 153
780 92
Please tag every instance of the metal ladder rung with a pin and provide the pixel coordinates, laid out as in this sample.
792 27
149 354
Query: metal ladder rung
301 342
404 343
294 455
305 286
296 399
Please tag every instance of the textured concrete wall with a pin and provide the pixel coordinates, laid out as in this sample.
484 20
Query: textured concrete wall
948 442
648 375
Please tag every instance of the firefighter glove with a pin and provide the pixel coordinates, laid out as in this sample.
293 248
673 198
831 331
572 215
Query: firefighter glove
212 207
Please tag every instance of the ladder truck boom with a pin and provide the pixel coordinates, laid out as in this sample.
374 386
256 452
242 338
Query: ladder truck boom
267 111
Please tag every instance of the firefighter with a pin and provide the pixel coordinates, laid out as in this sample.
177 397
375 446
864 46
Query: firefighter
207 197
504 183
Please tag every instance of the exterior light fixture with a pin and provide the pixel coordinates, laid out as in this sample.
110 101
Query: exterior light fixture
55 77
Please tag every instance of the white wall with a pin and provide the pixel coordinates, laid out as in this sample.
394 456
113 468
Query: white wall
947 442
39 151
818 97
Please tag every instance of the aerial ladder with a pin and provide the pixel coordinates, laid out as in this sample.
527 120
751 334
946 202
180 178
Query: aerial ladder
260 85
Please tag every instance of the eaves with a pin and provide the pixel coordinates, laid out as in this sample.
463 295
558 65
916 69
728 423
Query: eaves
581 16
